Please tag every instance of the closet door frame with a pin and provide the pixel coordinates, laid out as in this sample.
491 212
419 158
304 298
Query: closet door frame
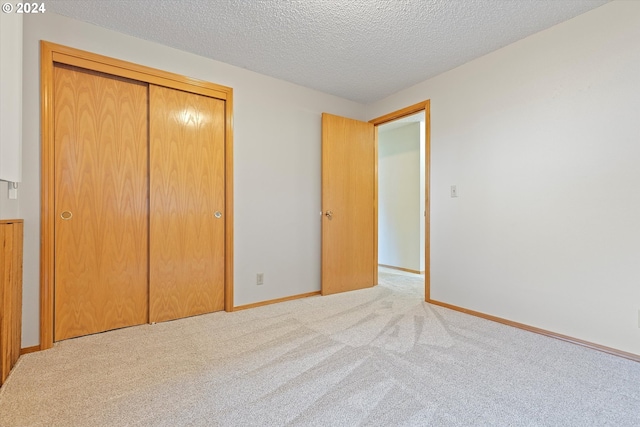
51 53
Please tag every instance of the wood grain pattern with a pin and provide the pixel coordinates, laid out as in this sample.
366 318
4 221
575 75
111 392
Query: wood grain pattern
101 178
427 199
47 199
228 202
11 235
375 206
6 248
117 67
32 349
348 190
50 53
187 186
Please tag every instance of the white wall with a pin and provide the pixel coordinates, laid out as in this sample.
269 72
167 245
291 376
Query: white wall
277 131
9 209
399 211
11 99
542 139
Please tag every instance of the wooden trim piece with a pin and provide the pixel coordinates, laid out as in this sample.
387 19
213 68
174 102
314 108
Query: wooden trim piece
28 350
229 246
275 301
412 109
135 75
401 269
47 185
16 298
593 346
6 311
375 207
51 53
117 67
427 199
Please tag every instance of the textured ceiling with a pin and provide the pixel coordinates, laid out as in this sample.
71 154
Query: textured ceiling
363 50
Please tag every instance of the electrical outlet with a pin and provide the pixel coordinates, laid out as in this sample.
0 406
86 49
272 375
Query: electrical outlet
260 279
454 191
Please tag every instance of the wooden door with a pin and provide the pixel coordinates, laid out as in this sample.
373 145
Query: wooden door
101 204
187 136
349 205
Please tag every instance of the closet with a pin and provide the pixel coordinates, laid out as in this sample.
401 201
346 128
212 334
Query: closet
139 197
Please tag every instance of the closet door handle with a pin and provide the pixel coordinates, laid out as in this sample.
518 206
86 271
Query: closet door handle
66 215
218 214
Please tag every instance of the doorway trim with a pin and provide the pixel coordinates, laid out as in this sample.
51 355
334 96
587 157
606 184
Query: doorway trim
407 111
51 53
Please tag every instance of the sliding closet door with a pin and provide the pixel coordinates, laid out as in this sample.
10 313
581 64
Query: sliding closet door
186 240
101 202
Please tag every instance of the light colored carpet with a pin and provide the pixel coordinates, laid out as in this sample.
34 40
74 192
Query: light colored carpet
379 356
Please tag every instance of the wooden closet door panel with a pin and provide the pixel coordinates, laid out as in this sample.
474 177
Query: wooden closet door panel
101 202
186 241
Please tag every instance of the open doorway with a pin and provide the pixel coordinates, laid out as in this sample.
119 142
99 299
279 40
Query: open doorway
403 185
401 195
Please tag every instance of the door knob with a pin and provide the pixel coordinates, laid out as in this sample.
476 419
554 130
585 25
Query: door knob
329 214
218 214
66 215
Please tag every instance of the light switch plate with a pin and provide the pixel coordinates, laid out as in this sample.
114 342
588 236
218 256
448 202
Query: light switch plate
13 190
